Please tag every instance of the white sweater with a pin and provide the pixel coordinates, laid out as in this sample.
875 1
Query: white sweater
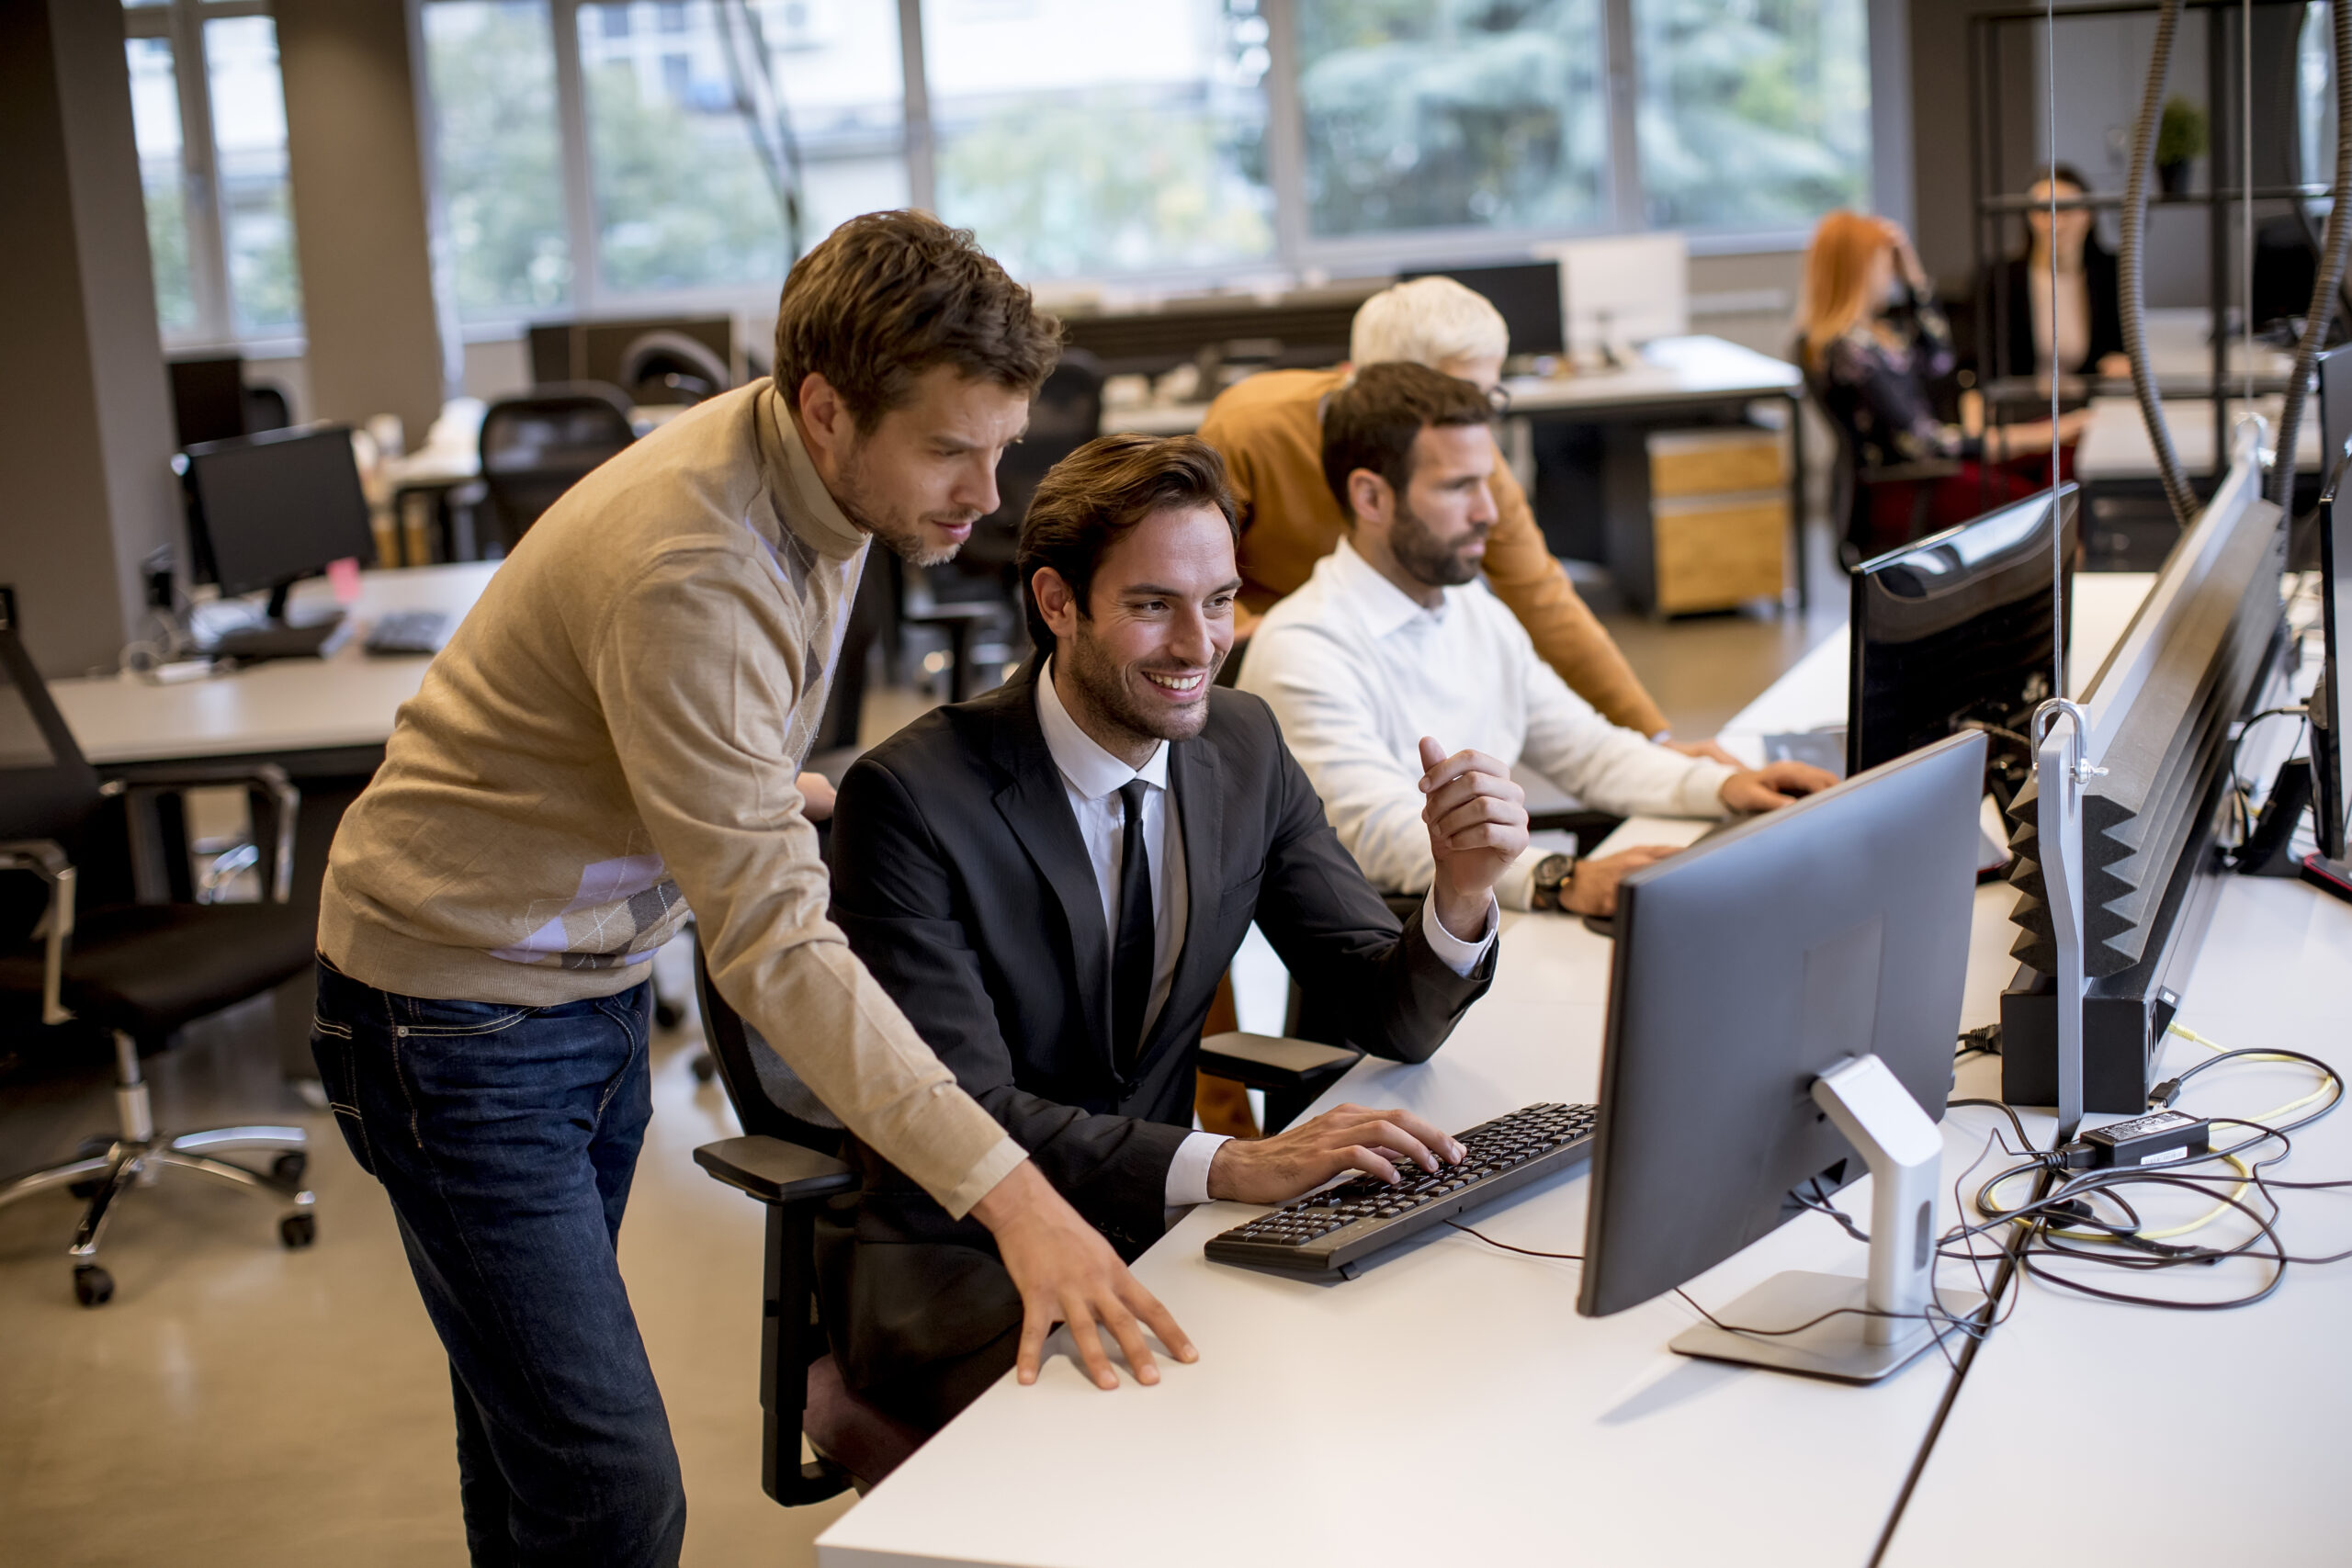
1357 672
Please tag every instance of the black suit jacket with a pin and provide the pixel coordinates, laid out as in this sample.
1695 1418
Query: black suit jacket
2099 287
961 881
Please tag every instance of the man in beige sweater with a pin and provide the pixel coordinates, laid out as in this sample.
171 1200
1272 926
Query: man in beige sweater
612 736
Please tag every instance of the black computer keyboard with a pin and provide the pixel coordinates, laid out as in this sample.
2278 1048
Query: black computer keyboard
1336 1231
408 632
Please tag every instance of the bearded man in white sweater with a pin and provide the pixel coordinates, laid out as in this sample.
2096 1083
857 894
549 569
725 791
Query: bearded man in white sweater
1394 637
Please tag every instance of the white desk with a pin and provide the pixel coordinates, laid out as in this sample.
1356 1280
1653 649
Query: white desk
1545 1436
285 705
1670 371
2116 445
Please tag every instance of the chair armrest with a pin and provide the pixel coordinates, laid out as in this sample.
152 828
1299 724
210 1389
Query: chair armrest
45 858
267 777
1266 1061
774 1171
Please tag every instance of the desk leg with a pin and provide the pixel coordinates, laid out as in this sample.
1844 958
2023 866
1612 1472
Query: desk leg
1797 500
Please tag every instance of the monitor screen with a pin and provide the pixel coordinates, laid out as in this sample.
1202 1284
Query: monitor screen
1745 967
277 506
2335 406
1528 295
1954 632
207 398
2332 727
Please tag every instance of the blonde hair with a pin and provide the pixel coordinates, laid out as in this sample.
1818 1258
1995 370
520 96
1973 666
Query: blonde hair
1838 276
1430 321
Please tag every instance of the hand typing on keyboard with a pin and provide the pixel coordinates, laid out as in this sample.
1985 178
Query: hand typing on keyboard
1345 1138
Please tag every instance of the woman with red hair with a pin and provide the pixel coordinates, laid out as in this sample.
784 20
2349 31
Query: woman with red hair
1871 341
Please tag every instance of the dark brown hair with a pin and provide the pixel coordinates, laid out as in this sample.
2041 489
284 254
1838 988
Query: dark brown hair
1086 502
1372 421
886 297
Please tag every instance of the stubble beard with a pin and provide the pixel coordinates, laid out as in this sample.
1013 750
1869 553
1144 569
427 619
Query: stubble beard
901 538
1424 558
1097 683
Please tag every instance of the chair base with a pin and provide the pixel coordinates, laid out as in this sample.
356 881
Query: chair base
138 1154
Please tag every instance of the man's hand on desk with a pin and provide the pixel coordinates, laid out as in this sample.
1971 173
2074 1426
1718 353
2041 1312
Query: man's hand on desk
1707 748
1591 888
1477 820
1345 1138
1773 785
816 796
1066 1273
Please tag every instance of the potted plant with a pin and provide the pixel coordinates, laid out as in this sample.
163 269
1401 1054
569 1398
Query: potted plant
2180 136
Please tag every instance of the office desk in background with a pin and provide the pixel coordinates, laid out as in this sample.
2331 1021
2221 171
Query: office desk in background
1450 1403
1696 377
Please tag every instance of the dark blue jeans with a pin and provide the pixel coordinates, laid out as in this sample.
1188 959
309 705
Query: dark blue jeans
506 1137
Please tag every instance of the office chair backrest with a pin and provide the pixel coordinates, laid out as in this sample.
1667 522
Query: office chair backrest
1845 477
266 408
47 789
535 446
666 366
769 1098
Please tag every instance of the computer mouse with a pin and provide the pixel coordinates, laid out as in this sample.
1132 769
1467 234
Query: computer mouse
1601 925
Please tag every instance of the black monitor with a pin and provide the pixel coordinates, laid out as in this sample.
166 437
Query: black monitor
680 359
271 508
1953 633
1528 295
1781 1014
2330 710
207 398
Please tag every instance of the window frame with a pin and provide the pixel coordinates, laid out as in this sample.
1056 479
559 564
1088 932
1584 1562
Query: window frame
1298 257
181 23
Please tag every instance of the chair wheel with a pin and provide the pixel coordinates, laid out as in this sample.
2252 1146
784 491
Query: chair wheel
669 1015
92 1286
288 1166
705 1066
298 1229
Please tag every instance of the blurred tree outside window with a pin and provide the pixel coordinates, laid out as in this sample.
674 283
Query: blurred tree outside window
1755 114
1073 148
684 200
498 157
208 121
162 178
1444 114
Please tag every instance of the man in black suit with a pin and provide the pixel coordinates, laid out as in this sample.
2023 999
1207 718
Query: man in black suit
980 870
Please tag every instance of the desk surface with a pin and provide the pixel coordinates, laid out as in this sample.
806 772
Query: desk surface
1541 1427
1670 371
2116 447
288 705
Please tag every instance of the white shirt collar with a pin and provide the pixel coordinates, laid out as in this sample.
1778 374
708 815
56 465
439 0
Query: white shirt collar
1381 604
1091 771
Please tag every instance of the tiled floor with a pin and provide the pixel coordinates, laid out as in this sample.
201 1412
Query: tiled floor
240 1404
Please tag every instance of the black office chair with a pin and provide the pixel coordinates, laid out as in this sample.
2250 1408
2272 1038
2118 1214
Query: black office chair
536 446
75 949
664 365
789 1159
1853 487
266 407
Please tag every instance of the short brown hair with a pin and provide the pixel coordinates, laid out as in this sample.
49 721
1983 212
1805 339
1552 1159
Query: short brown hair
1372 421
887 297
1086 502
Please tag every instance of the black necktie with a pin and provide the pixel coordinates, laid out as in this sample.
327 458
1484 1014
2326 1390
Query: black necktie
1131 950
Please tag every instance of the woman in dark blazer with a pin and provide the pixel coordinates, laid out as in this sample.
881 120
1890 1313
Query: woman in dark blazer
2084 333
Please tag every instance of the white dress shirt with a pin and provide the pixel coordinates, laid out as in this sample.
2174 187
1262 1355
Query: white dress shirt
1357 670
1092 778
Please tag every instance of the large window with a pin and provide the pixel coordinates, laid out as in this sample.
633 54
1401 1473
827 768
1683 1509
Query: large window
1755 114
1085 142
1453 114
625 154
209 119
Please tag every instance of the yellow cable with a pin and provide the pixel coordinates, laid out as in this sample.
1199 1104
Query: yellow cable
2329 1081
1984 1202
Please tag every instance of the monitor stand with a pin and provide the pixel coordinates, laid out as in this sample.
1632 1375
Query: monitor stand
1904 1152
276 637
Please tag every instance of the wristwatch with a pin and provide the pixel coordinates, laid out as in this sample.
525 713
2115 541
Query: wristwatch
1553 874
